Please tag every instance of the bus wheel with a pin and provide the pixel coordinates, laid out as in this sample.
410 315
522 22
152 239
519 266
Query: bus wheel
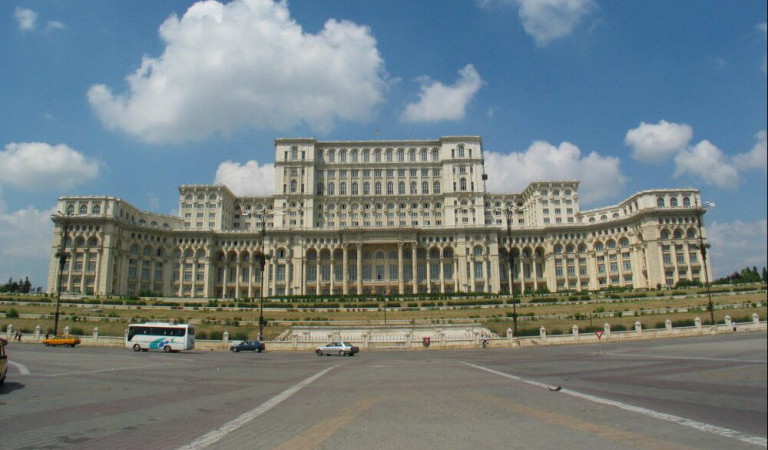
167 349
136 347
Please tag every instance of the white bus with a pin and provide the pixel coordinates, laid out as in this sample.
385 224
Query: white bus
160 336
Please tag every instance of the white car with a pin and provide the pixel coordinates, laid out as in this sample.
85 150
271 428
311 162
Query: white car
337 348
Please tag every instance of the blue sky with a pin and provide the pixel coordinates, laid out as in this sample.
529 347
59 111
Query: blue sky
132 98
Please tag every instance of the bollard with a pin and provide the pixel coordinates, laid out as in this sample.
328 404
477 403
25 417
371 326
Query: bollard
728 322
638 328
697 323
607 329
755 319
543 333
225 338
668 325
38 329
95 334
575 330
9 331
66 330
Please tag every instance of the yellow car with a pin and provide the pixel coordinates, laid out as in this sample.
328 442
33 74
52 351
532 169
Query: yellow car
65 340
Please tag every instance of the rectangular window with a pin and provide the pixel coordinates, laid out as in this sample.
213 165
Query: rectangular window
478 270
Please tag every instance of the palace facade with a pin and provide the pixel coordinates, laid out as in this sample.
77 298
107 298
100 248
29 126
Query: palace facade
376 217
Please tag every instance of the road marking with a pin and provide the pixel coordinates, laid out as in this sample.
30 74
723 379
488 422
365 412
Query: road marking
214 436
644 355
720 431
623 437
22 368
316 435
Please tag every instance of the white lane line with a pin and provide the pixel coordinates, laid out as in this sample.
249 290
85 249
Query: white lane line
22 368
644 355
214 436
720 431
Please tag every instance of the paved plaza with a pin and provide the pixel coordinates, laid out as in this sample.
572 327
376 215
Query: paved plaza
704 392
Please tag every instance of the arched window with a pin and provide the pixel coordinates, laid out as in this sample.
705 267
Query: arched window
331 188
294 153
400 155
423 154
343 156
624 242
569 248
413 188
582 248
70 209
463 184
389 155
425 187
83 209
673 202
686 202
664 234
342 188
435 155
461 150
354 155
558 249
436 187
691 233
366 188
93 242
390 188
660 202
401 188
134 249
331 156
611 243
412 155
366 155
354 188
293 186
598 246
678 234
188 253
377 155
319 188
377 188
96 209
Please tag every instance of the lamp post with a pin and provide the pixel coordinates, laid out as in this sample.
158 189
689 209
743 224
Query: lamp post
508 211
62 256
262 260
699 211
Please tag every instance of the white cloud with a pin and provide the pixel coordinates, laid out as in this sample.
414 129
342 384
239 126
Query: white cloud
246 64
55 25
707 163
248 179
655 143
736 245
546 20
757 158
39 166
25 244
601 177
25 18
438 102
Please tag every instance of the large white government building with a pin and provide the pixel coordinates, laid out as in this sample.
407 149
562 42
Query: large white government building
376 217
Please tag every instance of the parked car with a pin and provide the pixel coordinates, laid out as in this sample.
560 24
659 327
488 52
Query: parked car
3 361
65 340
337 348
249 346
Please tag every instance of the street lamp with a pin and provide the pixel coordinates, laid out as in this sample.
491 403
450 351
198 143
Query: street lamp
700 211
262 260
508 211
62 256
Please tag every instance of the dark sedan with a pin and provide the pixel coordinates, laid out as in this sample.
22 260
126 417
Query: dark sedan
249 346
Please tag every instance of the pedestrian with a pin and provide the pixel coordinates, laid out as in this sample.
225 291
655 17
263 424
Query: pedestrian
18 335
734 326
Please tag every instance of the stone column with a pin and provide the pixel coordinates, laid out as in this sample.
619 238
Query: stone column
359 269
345 269
318 273
429 272
400 281
414 269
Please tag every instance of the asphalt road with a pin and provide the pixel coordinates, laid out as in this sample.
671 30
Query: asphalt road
705 392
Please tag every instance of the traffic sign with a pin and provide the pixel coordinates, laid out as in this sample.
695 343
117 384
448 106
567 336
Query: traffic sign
425 341
599 334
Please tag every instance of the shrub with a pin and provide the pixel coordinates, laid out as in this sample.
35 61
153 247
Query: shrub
216 335
11 313
201 334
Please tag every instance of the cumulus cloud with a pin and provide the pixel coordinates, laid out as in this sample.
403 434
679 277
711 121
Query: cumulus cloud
601 177
657 142
546 20
707 163
245 64
37 166
755 158
736 245
25 19
438 102
247 179
25 243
